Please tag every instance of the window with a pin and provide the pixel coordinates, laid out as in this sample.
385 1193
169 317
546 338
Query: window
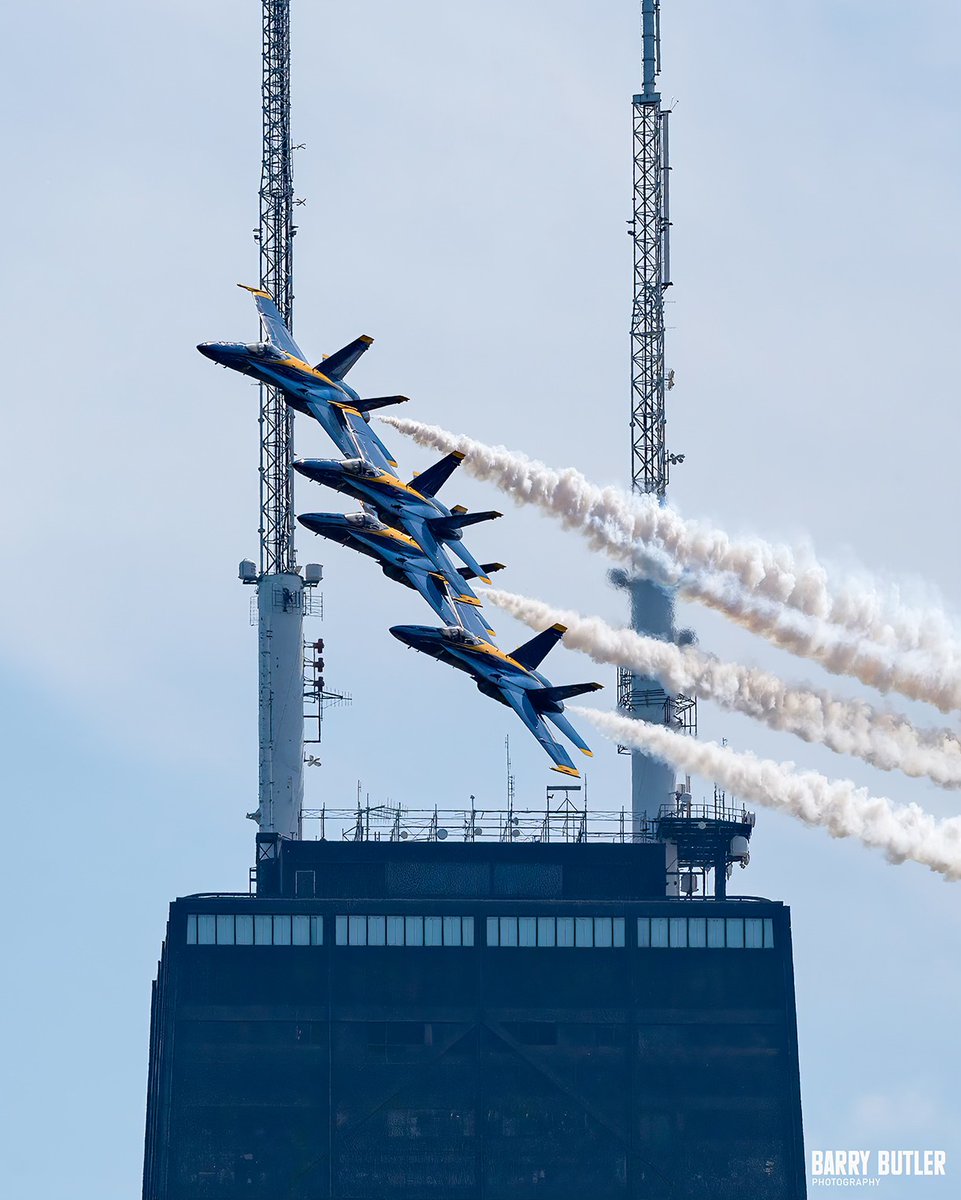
254 929
361 929
698 933
583 931
601 932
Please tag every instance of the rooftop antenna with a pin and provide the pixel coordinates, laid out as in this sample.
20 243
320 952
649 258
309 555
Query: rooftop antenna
280 588
652 608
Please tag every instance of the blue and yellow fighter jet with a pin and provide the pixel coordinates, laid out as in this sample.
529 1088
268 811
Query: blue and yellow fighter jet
513 679
319 391
411 507
402 560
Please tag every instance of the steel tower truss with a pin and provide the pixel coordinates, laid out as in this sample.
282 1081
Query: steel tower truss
652 611
276 234
280 589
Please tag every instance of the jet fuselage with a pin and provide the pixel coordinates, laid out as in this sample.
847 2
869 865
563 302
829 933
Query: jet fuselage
305 388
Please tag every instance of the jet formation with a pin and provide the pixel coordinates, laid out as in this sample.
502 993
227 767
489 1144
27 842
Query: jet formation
412 535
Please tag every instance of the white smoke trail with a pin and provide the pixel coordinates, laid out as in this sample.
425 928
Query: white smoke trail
851 628
838 806
883 739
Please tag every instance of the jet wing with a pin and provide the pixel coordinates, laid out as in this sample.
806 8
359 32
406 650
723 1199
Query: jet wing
369 446
419 529
274 325
520 702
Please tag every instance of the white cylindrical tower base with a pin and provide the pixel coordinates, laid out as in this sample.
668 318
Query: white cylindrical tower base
280 605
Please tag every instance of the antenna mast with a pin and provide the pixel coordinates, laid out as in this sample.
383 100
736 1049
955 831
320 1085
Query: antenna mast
652 608
280 590
276 236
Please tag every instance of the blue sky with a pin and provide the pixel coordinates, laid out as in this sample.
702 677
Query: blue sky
467 177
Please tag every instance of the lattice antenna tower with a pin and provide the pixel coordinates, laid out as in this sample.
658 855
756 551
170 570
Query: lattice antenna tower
652 609
280 589
276 238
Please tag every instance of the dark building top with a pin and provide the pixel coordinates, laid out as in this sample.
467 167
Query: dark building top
461 870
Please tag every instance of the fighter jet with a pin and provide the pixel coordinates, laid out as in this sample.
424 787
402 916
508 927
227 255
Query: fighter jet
411 507
319 391
401 559
513 679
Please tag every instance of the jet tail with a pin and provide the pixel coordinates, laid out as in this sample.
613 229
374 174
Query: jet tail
486 569
445 526
429 482
557 695
533 653
336 365
366 406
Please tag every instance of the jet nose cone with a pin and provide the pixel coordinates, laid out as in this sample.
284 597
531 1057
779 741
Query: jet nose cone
320 522
313 468
403 633
213 351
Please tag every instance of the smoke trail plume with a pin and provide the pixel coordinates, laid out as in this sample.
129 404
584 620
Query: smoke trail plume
851 628
883 739
844 810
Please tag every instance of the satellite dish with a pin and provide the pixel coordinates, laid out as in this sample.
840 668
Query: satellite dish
403 835
441 834
478 833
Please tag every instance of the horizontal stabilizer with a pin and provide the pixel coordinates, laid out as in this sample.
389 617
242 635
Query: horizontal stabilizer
366 406
429 482
336 366
486 569
533 653
557 695
447 525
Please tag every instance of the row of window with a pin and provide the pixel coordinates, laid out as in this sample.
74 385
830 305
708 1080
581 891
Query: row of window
254 929
286 929
404 931
734 933
555 931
